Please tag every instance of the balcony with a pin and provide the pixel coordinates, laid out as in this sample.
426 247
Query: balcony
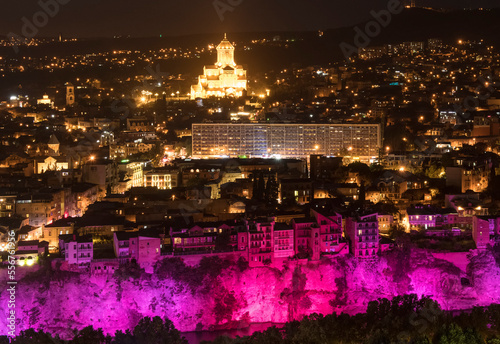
196 244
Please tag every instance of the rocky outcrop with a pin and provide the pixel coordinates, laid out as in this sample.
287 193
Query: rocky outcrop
61 301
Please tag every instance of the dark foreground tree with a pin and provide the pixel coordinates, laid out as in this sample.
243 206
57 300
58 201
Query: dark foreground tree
90 335
36 337
454 334
157 331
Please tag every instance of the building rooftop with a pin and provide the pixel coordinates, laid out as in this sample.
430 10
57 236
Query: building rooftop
67 238
305 220
28 243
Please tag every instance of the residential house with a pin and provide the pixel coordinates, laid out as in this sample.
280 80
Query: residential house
385 222
28 252
142 246
427 218
51 232
77 250
8 224
295 190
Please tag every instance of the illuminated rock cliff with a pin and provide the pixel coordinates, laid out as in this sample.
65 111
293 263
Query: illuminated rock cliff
222 293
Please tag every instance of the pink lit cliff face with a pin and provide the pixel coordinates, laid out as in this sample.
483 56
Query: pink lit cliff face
254 295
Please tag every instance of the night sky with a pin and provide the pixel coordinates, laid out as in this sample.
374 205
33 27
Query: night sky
104 18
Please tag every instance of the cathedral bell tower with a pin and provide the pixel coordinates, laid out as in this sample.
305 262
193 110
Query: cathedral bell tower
225 53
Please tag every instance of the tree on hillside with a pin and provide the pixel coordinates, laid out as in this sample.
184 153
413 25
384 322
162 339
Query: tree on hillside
435 171
90 335
454 334
271 193
157 331
420 340
255 185
259 187
123 338
223 241
31 336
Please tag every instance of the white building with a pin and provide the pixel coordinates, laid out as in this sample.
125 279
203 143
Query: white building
223 79
360 141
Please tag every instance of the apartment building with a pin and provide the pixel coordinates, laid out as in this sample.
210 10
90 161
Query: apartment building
363 234
485 229
469 174
362 141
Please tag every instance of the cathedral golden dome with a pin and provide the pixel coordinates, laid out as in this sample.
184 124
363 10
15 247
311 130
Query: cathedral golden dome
225 44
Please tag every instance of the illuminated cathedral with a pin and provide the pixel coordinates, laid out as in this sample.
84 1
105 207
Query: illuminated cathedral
223 79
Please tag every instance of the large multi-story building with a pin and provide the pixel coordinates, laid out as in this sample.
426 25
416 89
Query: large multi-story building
162 178
260 241
101 172
283 240
295 190
144 247
484 230
323 167
131 174
223 79
369 53
469 174
39 208
361 141
7 204
363 234
319 234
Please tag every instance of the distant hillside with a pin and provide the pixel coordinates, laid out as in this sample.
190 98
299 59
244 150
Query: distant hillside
307 48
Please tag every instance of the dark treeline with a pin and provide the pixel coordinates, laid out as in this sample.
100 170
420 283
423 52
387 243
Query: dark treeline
148 331
404 319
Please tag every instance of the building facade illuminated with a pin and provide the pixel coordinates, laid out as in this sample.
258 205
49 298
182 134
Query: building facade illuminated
359 141
223 79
